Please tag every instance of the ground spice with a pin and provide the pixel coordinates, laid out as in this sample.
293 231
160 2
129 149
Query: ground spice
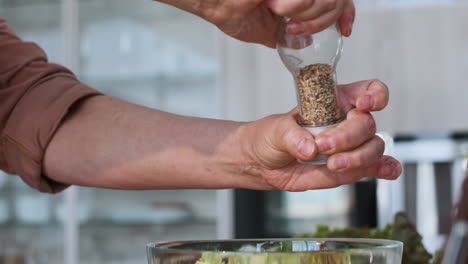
317 98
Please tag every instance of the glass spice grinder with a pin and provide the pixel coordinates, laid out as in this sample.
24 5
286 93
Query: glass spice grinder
312 61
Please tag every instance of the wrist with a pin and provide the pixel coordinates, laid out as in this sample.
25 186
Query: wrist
191 6
236 158
206 9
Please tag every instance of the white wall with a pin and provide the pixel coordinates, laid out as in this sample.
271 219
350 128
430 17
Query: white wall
420 52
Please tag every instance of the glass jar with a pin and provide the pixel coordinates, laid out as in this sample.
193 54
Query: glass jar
312 61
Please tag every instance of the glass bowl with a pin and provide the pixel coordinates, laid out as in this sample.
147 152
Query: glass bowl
278 251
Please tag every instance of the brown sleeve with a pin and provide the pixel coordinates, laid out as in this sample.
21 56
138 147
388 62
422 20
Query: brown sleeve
34 98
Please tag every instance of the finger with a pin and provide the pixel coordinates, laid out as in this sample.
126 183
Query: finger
358 128
313 26
363 156
290 137
375 98
370 95
294 112
319 8
288 7
347 18
320 177
386 168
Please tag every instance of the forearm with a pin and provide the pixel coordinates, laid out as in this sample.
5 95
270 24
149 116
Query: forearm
110 143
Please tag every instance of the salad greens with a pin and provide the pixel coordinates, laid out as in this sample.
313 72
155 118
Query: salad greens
401 230
319 258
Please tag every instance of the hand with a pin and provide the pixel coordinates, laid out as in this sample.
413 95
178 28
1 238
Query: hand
313 16
355 151
255 21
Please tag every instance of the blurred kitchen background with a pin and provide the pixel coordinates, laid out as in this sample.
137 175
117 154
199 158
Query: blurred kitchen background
157 56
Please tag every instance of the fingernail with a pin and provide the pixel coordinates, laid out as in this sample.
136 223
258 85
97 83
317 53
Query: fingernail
367 102
295 28
324 144
347 30
350 29
339 163
387 170
347 26
306 147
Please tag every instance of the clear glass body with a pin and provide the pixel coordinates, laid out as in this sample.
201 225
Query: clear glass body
312 61
279 251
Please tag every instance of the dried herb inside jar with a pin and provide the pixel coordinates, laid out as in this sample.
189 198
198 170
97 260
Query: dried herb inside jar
316 85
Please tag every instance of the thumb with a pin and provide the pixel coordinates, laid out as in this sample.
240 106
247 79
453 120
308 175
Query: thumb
293 139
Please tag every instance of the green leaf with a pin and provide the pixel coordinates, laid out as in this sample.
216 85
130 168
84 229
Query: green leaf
402 230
